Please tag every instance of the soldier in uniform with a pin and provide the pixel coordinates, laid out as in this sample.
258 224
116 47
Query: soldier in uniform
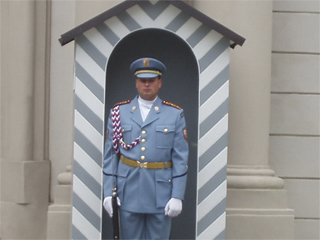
146 154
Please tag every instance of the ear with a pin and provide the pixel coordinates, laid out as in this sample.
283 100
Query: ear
160 82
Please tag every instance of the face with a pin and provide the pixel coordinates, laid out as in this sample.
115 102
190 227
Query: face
148 88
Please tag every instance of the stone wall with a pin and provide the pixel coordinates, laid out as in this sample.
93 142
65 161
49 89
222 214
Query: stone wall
295 110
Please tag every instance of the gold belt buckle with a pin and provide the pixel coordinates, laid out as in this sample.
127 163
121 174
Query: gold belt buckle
142 164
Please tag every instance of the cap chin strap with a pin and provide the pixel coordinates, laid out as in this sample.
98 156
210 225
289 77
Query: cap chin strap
117 132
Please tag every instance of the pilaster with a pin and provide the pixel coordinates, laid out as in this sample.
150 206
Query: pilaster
25 173
257 205
59 213
24 199
256 198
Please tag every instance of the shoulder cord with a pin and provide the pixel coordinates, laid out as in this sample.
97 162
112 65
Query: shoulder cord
117 132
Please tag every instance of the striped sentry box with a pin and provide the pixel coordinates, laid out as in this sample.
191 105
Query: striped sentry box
93 48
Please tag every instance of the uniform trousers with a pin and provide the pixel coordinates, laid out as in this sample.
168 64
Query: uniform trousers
144 226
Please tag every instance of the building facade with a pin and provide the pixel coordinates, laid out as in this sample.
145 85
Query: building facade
273 152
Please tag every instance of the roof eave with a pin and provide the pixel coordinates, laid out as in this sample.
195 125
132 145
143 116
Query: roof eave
226 32
235 38
73 33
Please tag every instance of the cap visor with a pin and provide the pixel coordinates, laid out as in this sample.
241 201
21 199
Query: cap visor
147 75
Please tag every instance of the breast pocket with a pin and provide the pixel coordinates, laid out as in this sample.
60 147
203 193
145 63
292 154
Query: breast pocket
165 135
126 133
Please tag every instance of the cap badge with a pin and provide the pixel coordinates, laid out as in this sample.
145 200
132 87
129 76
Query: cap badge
146 62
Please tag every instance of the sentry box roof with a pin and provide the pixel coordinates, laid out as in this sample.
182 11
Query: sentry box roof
154 10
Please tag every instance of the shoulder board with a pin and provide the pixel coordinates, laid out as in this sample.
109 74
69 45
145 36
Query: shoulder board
122 103
171 104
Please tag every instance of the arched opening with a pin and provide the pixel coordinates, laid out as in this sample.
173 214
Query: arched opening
180 85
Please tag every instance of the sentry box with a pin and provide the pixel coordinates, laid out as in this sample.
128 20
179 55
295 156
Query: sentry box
195 49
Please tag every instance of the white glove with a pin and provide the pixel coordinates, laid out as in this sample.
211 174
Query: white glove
173 207
107 203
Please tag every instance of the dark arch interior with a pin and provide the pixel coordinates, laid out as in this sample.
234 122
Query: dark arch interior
180 85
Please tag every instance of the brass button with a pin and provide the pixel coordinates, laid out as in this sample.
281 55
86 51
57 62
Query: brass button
143 132
142 158
169 180
143 149
143 140
166 130
123 130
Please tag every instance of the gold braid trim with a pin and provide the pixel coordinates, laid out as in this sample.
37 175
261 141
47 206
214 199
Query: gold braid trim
171 104
121 103
148 71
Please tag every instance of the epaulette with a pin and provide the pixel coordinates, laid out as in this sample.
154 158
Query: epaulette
171 104
121 103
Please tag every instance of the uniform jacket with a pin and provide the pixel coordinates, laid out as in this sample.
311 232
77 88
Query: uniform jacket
163 138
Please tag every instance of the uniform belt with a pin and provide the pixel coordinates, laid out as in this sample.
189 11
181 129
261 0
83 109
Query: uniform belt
147 165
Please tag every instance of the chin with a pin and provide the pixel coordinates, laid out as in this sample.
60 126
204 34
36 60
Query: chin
148 98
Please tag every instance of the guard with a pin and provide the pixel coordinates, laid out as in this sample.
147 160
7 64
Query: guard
146 157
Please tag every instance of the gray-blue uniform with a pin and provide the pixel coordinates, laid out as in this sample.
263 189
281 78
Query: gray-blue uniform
153 171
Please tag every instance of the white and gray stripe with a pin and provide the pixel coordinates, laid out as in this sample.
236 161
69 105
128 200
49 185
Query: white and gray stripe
93 49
